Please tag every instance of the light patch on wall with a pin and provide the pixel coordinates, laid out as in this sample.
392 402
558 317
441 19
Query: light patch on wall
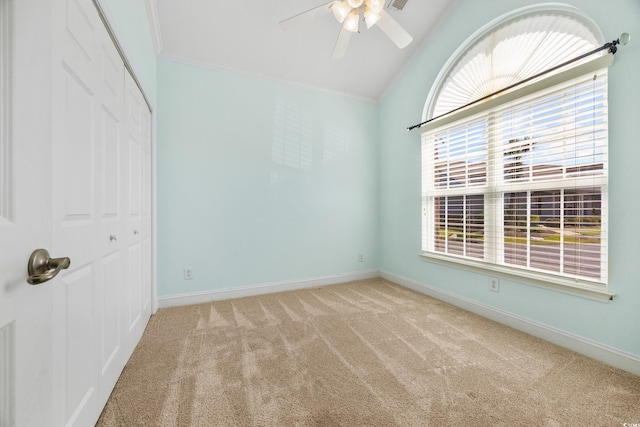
6 108
336 143
292 136
279 177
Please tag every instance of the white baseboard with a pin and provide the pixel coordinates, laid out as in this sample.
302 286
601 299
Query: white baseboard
266 288
611 356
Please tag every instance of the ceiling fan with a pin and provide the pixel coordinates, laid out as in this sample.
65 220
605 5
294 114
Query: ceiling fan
348 13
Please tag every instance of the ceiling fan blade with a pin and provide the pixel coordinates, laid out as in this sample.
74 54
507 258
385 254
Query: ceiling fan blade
393 30
341 44
309 15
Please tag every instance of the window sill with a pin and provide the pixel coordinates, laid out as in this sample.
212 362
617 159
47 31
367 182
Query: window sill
547 281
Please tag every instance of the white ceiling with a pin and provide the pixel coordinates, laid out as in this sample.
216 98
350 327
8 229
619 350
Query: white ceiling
243 36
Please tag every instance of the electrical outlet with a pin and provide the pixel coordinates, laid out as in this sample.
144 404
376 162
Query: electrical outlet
188 274
360 257
494 284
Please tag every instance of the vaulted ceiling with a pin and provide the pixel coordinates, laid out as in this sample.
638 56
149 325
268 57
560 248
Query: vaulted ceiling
244 36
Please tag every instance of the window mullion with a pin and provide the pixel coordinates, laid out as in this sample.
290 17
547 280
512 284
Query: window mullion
561 228
446 224
494 236
464 224
529 240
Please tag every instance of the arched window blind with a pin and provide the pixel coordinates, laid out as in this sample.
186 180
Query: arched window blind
518 184
516 50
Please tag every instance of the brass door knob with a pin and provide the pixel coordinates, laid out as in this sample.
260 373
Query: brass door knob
42 267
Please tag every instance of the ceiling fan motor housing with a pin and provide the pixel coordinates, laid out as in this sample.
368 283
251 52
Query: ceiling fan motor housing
398 4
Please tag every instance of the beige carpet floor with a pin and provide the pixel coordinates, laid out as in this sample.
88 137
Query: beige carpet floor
363 353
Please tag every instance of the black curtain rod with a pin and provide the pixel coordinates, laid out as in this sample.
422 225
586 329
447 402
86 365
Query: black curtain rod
612 46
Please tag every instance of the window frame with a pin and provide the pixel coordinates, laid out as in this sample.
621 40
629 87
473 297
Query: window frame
590 289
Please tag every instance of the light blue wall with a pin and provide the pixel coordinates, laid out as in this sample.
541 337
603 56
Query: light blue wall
615 324
129 19
260 182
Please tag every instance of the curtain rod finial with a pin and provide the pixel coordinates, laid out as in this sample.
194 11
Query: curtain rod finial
624 38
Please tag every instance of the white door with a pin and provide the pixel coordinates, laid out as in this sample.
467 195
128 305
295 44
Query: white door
25 212
76 181
138 223
101 126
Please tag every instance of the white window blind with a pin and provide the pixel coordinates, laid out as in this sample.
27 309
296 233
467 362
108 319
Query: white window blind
521 182
514 51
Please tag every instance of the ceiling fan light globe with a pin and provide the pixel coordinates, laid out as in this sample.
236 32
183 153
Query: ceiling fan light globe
341 10
370 17
375 5
355 3
352 22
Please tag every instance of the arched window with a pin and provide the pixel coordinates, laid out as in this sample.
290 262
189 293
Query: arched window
517 184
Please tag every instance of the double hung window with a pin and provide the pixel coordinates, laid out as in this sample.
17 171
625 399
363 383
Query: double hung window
519 183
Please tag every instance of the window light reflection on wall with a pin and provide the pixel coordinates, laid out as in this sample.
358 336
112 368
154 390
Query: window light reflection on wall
292 136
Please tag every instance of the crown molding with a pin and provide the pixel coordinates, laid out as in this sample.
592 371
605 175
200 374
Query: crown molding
154 25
